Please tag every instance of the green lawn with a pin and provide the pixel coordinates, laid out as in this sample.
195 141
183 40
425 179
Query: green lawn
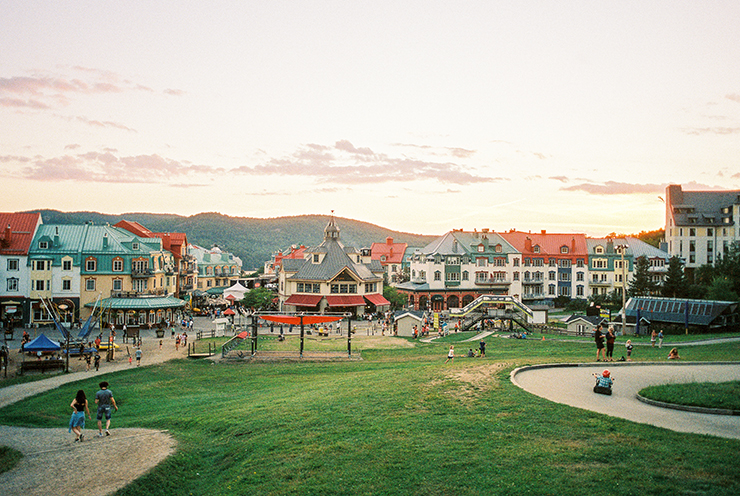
397 422
707 394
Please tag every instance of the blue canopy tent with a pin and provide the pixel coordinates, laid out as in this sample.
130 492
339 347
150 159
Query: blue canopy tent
42 343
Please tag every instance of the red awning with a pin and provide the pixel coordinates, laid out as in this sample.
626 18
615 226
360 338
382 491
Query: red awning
243 335
229 311
377 299
301 300
296 319
345 301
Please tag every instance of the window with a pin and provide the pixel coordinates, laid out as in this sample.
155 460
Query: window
499 262
579 290
39 285
516 262
482 262
692 231
12 284
552 262
67 265
564 249
91 265
134 246
579 263
564 264
551 275
12 264
599 263
710 231
40 265
89 284
564 276
516 276
315 258
481 248
536 249
437 275
43 245
117 265
599 250
66 285
370 287
551 289
498 249
452 276
465 275
579 276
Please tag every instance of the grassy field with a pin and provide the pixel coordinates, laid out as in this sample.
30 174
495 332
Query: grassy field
723 395
397 422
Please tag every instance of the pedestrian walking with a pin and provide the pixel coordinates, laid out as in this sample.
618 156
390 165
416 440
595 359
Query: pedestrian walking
104 399
653 337
599 339
77 420
660 338
97 361
138 356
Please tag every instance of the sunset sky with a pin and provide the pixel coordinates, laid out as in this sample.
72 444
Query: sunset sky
418 116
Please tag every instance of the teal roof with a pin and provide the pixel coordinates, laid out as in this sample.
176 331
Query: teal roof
141 303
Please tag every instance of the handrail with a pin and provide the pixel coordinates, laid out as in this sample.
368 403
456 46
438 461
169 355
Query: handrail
230 345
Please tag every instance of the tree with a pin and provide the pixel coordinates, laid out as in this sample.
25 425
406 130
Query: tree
397 300
721 289
258 299
641 283
675 282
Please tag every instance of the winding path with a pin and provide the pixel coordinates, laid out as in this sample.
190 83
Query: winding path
571 384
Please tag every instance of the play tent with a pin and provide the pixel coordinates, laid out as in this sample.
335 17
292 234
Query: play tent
42 343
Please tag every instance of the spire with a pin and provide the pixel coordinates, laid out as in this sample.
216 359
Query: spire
331 231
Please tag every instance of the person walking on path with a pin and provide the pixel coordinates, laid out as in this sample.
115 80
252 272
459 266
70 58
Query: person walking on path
660 338
77 420
104 399
610 339
138 356
97 361
450 354
653 337
599 339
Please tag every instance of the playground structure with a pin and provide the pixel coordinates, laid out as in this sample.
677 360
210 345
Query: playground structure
507 309
300 320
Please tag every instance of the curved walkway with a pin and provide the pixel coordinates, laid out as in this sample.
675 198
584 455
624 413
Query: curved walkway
572 384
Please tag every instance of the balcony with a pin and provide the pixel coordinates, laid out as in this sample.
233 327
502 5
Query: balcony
490 281
142 273
136 294
532 280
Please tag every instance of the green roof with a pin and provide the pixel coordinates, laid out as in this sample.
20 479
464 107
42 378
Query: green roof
142 303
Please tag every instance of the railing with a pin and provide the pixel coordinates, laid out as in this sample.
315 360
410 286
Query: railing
136 294
230 345
492 280
142 272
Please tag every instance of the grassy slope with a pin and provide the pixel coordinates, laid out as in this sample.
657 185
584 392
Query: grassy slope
398 422
706 394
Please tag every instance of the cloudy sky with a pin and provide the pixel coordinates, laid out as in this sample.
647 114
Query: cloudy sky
419 116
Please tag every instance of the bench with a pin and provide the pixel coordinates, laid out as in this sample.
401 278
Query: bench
42 365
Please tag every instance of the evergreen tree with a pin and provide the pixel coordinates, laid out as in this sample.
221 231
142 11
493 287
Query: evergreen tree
721 290
641 283
258 299
728 266
396 299
675 284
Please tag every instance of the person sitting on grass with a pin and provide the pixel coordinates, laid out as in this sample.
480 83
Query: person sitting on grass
673 354
603 382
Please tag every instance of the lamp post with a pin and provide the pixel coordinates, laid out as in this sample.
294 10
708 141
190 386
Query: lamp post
624 288
63 307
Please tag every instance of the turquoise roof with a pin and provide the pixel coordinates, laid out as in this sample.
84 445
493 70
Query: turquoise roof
140 303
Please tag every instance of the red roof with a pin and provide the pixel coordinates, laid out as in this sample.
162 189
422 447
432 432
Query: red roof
550 244
393 252
377 299
345 301
169 240
301 300
16 232
135 228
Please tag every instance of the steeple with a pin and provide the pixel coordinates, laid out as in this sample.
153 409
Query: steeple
331 231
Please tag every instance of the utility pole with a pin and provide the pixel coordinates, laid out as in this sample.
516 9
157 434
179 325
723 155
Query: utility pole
624 288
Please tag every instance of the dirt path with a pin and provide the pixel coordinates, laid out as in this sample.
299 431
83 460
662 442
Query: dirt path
54 464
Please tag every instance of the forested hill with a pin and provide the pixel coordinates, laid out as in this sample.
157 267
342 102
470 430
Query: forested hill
251 239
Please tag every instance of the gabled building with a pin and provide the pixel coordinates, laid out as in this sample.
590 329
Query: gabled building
700 225
552 265
17 233
390 255
459 266
216 269
76 264
184 268
331 277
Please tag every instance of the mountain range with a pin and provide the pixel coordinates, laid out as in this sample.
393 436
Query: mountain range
253 240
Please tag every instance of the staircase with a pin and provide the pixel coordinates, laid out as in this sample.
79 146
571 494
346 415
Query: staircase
493 307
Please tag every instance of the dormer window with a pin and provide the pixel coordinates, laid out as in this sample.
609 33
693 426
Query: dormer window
316 258
599 250
43 245
134 246
564 249
536 249
481 248
498 249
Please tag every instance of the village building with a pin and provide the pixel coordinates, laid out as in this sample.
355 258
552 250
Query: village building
700 226
217 269
390 255
459 266
332 278
72 266
17 231
184 268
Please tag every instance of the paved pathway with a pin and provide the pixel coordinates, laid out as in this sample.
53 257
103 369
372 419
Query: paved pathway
572 385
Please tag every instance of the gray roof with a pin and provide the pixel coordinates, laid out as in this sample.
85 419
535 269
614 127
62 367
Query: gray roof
464 242
679 311
705 206
335 261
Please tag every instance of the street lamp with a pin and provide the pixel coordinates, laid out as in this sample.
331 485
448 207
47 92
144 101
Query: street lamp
621 249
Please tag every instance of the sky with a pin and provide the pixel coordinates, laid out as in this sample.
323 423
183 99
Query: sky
418 116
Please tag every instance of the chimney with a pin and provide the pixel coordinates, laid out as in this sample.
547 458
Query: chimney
389 241
56 236
105 240
7 236
528 244
573 245
544 231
